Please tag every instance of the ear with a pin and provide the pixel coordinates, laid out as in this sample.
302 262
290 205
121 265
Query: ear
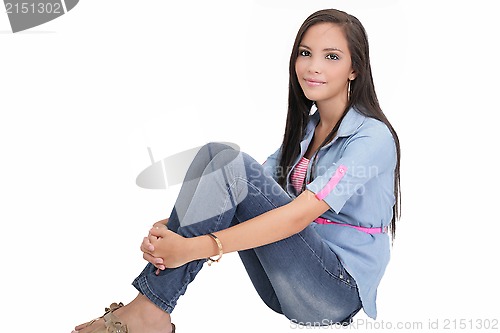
352 76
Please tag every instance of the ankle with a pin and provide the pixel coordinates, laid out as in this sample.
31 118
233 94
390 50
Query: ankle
150 314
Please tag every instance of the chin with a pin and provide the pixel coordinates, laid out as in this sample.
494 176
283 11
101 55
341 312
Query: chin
314 97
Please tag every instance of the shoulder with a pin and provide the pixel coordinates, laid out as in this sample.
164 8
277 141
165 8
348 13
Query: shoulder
372 136
375 128
355 123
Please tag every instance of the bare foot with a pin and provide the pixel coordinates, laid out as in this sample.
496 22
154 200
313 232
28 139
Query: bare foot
140 316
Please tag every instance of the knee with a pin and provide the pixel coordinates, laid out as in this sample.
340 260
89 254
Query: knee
237 159
207 153
214 148
223 158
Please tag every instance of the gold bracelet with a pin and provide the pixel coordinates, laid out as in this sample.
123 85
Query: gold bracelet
221 252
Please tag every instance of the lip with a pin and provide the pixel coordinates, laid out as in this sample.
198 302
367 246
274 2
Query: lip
314 82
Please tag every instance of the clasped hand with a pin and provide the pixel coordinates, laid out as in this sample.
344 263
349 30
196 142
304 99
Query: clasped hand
164 248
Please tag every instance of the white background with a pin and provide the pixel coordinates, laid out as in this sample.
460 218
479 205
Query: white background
83 96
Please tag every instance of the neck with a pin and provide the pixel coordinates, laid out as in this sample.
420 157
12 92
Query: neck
330 113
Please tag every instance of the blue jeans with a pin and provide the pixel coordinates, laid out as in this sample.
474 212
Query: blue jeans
299 277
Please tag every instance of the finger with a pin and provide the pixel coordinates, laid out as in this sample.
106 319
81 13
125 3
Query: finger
157 262
159 231
152 258
146 246
162 222
153 240
159 268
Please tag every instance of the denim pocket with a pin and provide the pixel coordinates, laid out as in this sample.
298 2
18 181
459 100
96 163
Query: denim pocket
345 277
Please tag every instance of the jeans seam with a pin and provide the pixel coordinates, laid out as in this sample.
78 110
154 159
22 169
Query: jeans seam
187 281
144 282
228 196
224 205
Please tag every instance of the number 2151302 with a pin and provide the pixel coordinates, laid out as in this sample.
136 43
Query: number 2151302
32 8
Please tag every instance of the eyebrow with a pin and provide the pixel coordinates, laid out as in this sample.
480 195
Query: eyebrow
327 49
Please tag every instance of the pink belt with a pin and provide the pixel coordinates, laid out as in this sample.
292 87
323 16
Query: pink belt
383 230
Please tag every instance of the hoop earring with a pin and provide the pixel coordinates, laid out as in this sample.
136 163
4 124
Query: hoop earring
348 90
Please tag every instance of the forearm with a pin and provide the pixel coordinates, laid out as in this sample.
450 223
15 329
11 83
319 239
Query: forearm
264 229
267 228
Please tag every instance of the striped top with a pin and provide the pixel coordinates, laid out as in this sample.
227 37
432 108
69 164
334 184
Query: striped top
299 174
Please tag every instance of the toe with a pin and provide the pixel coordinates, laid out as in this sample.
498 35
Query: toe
87 327
81 326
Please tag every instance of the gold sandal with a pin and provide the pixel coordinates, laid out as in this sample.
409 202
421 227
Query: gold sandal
113 324
111 309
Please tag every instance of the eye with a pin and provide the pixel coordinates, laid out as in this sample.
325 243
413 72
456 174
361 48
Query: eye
332 56
304 53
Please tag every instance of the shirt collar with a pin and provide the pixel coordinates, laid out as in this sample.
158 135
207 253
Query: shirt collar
351 122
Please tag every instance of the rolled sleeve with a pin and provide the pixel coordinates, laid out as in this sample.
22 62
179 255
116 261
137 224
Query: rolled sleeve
366 154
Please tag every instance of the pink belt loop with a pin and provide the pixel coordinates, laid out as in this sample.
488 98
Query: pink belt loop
383 230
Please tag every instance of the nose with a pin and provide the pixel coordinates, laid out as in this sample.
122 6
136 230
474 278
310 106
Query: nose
314 66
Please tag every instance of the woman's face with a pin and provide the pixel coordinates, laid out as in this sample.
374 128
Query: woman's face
323 65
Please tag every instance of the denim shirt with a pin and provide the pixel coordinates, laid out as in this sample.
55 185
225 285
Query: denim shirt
354 175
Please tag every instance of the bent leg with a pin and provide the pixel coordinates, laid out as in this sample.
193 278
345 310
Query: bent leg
192 178
260 279
229 182
300 276
310 284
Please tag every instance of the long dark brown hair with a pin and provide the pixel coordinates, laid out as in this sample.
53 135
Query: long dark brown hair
362 96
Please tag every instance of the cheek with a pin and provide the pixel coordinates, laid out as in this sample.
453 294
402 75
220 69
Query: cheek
299 67
338 74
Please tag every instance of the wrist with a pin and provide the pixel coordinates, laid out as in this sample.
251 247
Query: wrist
202 247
